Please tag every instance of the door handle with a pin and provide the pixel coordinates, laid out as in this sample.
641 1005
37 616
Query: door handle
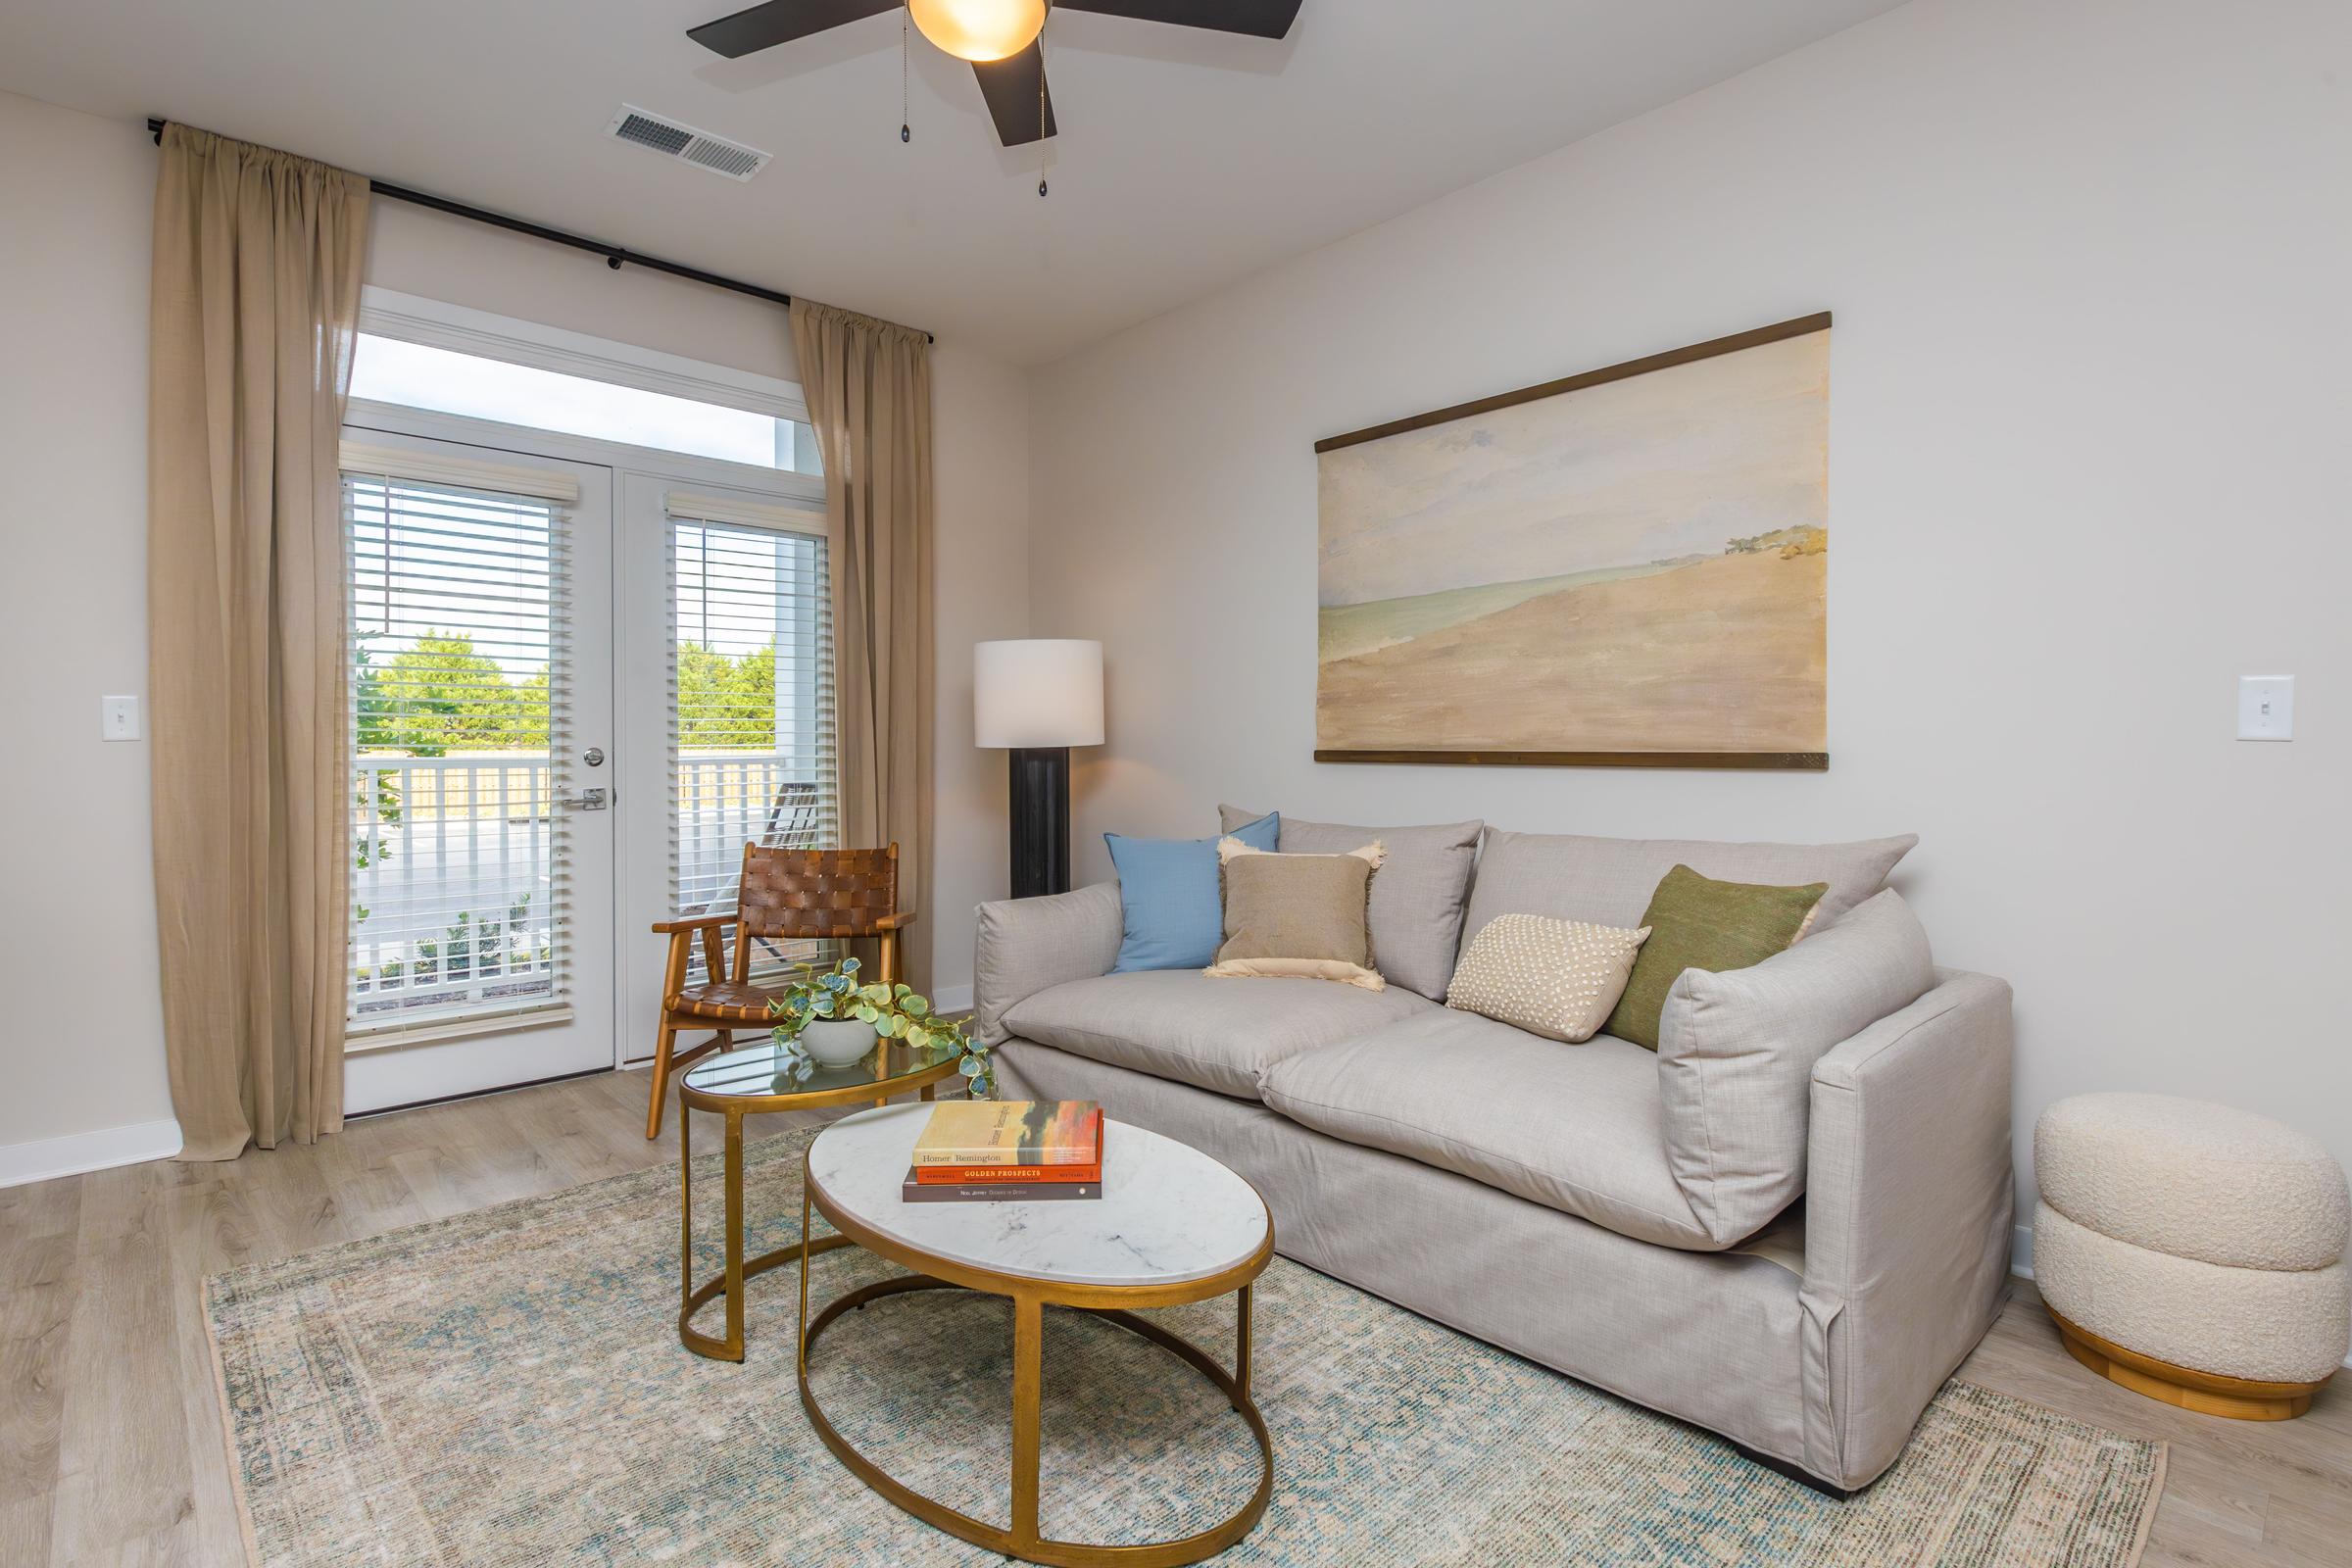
587 801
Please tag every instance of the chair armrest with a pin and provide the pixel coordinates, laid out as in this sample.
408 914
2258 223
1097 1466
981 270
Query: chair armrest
895 922
1910 1200
681 934
1026 945
701 922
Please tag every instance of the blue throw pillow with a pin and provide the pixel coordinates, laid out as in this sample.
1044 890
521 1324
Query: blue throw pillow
1170 907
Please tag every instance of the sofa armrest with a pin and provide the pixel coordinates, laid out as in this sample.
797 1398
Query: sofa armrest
1026 945
1910 1200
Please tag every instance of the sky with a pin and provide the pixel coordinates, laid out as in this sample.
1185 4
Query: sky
388 370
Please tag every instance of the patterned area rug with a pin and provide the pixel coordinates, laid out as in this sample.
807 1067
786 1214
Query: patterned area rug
506 1388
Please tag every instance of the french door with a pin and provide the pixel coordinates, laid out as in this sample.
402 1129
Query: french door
727 713
577 691
482 704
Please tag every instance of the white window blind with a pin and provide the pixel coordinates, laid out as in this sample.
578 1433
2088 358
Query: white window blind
751 732
459 698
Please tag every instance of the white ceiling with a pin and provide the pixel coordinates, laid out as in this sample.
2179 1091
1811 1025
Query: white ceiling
1186 160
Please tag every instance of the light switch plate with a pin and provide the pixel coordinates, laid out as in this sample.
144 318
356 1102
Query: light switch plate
2266 708
119 719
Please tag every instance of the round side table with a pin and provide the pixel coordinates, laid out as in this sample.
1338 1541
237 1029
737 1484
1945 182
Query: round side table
750 1082
1172 1226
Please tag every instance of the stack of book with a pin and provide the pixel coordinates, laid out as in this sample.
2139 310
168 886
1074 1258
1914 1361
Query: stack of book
1008 1151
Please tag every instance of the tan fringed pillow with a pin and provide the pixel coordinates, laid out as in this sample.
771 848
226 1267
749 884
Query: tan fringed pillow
1298 915
1555 978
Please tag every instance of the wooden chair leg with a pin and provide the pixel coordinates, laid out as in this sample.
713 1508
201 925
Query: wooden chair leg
662 1047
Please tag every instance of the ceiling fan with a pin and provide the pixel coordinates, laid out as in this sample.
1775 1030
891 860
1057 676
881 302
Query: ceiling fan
999 37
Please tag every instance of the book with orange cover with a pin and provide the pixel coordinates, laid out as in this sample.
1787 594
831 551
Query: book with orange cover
1031 1141
1011 1133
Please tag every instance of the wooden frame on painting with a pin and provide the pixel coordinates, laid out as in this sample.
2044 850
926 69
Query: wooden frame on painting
1624 569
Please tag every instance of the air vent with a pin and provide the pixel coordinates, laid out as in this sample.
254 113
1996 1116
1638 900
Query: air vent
699 148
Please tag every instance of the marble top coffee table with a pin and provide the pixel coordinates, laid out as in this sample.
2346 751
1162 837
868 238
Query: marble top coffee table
1172 1226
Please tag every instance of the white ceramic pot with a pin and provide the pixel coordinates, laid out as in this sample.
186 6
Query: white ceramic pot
837 1041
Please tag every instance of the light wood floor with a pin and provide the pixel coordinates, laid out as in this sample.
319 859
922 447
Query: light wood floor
110 1436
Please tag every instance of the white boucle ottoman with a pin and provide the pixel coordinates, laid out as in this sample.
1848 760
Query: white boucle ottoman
2192 1252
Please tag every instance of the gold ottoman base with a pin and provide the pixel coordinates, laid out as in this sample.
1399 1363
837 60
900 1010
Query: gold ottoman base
2205 1392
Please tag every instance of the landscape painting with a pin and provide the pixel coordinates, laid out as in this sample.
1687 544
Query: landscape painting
1626 567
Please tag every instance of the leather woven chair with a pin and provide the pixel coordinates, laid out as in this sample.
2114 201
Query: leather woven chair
786 895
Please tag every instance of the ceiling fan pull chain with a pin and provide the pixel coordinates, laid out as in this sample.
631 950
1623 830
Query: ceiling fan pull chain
906 120
1040 103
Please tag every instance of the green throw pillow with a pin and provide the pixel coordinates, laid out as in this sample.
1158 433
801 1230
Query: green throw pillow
1699 924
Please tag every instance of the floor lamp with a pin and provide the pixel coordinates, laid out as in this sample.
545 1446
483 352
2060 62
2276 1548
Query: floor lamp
1037 698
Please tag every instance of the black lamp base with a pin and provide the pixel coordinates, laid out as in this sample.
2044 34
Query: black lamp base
1041 820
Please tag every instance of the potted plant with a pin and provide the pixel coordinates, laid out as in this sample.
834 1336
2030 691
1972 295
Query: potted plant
826 1017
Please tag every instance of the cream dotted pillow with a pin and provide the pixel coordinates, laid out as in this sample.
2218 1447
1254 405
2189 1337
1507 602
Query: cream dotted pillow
1555 978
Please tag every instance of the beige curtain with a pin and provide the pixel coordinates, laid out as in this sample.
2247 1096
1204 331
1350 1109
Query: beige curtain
868 386
256 294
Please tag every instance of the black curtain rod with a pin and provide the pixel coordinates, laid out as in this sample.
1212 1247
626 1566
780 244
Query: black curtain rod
614 255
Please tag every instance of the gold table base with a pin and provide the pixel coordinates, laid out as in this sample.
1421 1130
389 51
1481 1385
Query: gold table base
1025 1540
693 1297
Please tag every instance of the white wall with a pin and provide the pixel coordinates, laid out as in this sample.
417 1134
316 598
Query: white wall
2092 265
81 1035
87 1085
980 460
435 256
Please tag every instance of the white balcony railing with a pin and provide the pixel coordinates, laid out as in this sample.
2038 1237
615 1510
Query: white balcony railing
723 802
456 888
460 873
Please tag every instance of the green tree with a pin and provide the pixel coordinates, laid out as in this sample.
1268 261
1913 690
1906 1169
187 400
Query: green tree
367 697
727 701
440 695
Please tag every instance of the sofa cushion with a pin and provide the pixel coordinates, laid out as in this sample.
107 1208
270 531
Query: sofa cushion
1696 922
1736 1048
1609 881
1171 898
1554 978
1297 914
1416 909
1214 1034
1574 1128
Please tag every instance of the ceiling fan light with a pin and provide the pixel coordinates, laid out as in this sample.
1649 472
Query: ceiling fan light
979 29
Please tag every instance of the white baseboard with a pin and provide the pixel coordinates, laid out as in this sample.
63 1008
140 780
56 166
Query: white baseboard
952 999
46 1158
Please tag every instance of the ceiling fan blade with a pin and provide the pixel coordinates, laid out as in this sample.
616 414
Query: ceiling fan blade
764 27
1011 85
1259 19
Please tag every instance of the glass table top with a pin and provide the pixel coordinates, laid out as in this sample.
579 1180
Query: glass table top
759 1070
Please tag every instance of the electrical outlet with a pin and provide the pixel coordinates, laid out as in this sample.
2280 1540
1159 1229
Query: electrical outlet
119 719
2266 708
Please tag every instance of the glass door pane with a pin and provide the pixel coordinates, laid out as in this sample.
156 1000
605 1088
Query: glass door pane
751 743
461 693
728 712
479 691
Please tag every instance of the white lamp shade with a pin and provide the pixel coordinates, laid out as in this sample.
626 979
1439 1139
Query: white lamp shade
1037 692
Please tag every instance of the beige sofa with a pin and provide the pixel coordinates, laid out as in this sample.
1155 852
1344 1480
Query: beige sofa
1789 1225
